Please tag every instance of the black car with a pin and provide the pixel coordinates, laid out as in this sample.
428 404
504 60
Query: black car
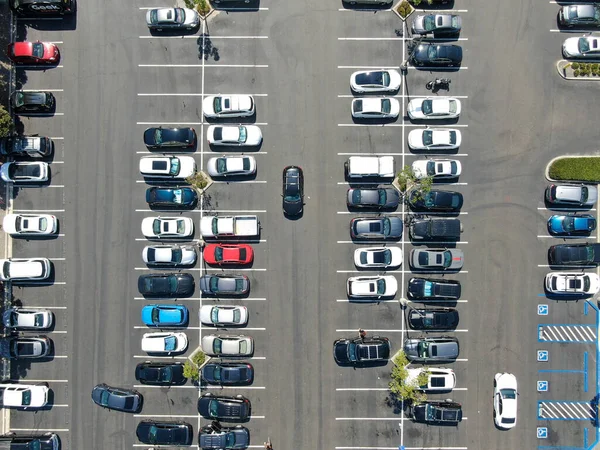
574 255
36 146
164 433
157 138
293 191
445 55
435 229
432 319
218 438
375 198
222 407
433 288
46 441
228 373
171 197
378 228
119 399
359 351
224 284
42 8
166 285
160 373
22 347
435 200
32 102
437 412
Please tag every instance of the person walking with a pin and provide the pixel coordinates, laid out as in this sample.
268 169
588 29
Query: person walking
362 333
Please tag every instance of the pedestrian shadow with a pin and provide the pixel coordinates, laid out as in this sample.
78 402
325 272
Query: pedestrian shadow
206 49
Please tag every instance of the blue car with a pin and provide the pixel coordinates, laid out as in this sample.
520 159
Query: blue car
165 315
571 225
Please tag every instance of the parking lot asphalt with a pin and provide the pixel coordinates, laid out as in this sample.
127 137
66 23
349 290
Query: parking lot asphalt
116 79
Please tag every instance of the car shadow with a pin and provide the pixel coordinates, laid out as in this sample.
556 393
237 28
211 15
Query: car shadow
234 179
248 120
567 208
433 272
434 213
228 6
374 122
433 152
433 244
234 148
436 5
366 8
294 216
432 121
370 300
174 33
59 23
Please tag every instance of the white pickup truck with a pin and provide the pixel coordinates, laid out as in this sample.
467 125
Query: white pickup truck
370 166
230 226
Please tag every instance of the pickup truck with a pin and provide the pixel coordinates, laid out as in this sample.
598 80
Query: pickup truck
230 226
370 166
435 229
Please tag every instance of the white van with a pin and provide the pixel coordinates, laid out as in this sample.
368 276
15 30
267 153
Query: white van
24 269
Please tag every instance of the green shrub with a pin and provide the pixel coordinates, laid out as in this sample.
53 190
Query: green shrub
6 122
398 386
404 9
575 65
191 371
576 169
198 180
594 66
576 73
201 6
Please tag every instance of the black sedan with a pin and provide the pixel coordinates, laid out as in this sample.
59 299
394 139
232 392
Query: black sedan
359 351
218 438
171 198
433 288
166 285
164 433
435 200
226 373
439 55
224 284
119 399
574 255
160 373
375 198
293 190
46 441
32 102
432 319
157 138
377 228
222 407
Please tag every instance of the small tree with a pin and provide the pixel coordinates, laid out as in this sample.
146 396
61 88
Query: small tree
201 6
407 178
400 388
192 369
6 123
198 180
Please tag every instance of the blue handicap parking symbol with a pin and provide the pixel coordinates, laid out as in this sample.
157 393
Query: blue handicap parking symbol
542 386
542 433
542 355
542 310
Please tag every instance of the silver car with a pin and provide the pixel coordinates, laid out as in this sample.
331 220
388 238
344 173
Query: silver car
229 166
172 19
427 350
437 259
436 23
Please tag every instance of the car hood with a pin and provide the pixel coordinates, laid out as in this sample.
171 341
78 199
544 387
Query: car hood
571 46
340 351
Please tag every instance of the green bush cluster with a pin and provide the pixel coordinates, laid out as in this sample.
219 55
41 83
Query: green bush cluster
6 122
398 386
198 180
406 177
201 6
191 369
576 169
585 69
404 8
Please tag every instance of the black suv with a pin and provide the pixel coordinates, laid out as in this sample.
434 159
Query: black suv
359 351
432 319
441 55
228 373
433 288
47 441
437 412
39 146
32 102
435 229
435 200
216 437
574 255
293 191
164 433
166 285
160 373
222 407
42 8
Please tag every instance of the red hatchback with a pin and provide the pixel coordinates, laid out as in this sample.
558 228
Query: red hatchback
224 254
33 53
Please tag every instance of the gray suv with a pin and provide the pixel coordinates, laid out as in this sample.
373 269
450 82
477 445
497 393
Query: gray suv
572 194
431 350
36 146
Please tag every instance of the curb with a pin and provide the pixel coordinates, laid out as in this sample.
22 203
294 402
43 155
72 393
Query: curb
547 169
560 64
403 19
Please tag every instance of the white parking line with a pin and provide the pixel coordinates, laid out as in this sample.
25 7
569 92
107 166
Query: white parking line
42 89
41 114
351 330
399 125
55 138
409 96
185 416
221 269
169 269
212 38
36 430
60 406
578 268
394 419
57 332
435 331
169 123
546 236
541 208
407 448
241 182
159 357
46 283
240 66
37 210
49 307
443 10
396 154
374 39
46 381
382 67
441 69
193 94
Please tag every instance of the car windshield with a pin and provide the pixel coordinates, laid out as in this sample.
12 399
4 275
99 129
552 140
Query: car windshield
352 351
239 284
38 320
217 345
429 22
214 284
427 107
180 226
217 105
213 408
386 105
387 227
427 137
155 315
243 134
447 258
236 315
214 315
243 347
179 15
586 283
428 288
219 254
166 374
380 287
508 393
176 255
432 52
173 284
382 196
174 166
217 373
230 440
584 194
584 45
104 398
19 99
43 223
152 435
170 343
156 226
38 50
455 22
423 349
430 168
26 397
158 136
453 167
221 165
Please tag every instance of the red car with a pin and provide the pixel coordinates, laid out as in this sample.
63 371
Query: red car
33 53
224 254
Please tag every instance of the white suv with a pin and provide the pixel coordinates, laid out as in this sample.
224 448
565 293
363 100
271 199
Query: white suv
24 395
438 379
25 269
168 166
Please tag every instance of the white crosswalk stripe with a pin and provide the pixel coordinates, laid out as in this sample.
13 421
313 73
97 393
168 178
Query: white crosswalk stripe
565 410
567 333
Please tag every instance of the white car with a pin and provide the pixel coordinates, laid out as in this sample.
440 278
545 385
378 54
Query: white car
169 255
434 139
27 319
584 47
438 379
164 343
569 283
24 395
505 400
375 81
372 286
234 135
224 106
228 166
375 108
16 269
223 315
167 166
30 224
434 108
378 257
437 168
24 172
224 345
167 227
